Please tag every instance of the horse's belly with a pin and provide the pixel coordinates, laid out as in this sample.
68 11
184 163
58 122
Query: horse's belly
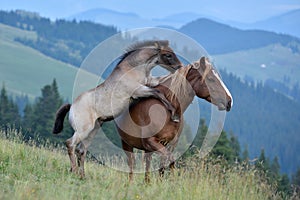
111 107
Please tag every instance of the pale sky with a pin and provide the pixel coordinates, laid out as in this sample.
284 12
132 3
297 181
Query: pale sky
237 10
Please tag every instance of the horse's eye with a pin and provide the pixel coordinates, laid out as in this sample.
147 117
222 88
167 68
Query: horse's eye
168 55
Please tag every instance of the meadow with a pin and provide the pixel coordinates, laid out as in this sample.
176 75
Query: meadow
31 172
25 70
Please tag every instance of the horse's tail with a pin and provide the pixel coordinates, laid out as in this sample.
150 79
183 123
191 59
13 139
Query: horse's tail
59 119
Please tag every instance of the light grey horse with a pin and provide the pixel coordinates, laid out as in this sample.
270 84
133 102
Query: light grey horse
128 80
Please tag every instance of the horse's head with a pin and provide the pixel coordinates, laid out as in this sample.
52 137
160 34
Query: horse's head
152 53
208 84
166 56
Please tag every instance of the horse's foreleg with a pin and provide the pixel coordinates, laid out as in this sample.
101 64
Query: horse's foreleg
130 158
145 91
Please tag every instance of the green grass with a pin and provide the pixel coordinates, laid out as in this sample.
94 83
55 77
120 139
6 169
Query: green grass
25 70
280 61
29 172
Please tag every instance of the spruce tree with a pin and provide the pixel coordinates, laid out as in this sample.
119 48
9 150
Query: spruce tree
235 146
275 170
44 110
4 104
296 178
223 148
9 113
284 186
263 163
245 154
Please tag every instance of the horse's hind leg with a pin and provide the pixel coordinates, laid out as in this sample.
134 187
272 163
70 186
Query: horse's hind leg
81 154
71 144
81 151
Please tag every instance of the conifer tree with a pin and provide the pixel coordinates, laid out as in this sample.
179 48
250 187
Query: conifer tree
284 185
223 148
296 178
44 110
262 162
9 113
235 146
245 154
275 170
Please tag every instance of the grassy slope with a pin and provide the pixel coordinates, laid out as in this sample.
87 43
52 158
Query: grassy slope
37 173
279 62
25 70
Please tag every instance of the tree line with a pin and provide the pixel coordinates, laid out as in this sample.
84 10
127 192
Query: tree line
37 121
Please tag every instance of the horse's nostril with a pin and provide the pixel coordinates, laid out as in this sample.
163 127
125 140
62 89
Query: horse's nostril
228 107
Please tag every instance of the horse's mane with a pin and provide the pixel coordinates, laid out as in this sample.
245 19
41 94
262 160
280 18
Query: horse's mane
143 44
147 43
178 85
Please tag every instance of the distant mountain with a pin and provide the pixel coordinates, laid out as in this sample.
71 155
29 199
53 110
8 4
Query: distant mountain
125 21
218 38
179 19
121 20
287 23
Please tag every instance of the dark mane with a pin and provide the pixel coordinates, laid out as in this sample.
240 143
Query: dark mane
147 43
143 44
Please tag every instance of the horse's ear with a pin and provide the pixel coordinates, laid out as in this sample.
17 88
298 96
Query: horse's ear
165 43
160 44
157 45
203 60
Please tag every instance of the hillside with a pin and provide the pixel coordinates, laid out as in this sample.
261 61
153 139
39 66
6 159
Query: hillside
256 55
24 70
264 119
275 61
28 172
219 38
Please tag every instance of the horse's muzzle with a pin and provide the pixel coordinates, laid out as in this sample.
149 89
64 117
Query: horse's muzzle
228 106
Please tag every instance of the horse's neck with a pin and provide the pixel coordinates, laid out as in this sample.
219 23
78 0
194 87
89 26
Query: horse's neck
187 100
180 102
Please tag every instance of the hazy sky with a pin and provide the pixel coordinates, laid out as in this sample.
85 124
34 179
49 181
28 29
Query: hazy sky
237 10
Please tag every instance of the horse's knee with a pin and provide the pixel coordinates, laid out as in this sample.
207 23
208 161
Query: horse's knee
80 152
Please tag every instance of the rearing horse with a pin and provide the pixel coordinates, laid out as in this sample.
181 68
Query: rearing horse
146 127
103 103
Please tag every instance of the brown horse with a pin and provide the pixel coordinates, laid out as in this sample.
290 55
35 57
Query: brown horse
129 79
153 134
